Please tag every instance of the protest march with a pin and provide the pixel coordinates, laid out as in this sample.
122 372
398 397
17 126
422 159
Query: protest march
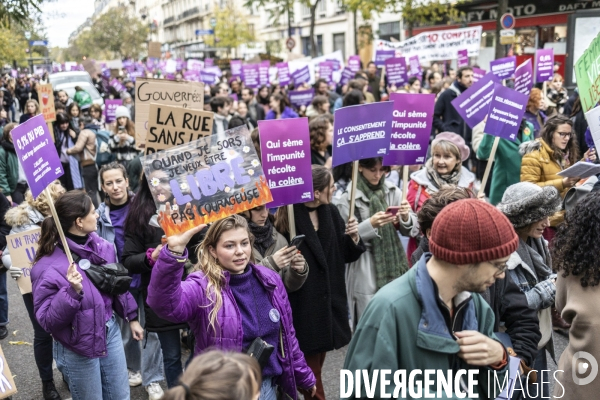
405 222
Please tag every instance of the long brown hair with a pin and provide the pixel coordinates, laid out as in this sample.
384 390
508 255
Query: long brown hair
218 375
547 136
70 206
211 267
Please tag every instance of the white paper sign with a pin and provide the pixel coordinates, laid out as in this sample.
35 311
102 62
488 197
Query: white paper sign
593 119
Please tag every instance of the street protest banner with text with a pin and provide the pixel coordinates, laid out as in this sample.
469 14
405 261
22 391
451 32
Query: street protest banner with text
326 71
195 65
7 382
382 55
524 77
23 247
250 75
110 109
285 153
395 70
181 94
587 72
346 76
263 72
283 73
36 154
411 127
473 103
170 126
299 98
354 63
505 112
301 75
236 68
504 68
218 175
362 131
478 73
46 96
436 45
462 58
544 65
415 66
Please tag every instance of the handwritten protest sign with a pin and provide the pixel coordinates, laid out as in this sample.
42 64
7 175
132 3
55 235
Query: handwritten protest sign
283 73
473 103
362 131
22 247
110 109
462 59
218 177
285 153
411 126
524 77
382 55
395 69
36 154
154 49
299 98
7 383
170 126
587 72
46 96
544 65
505 112
182 94
504 68
250 75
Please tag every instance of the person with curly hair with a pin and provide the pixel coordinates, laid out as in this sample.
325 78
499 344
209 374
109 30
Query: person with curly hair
321 136
575 253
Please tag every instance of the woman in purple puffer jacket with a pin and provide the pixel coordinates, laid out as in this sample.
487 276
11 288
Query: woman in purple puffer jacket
230 302
88 349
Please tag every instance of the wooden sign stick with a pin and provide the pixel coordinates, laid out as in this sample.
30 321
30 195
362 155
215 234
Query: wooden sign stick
353 190
404 182
292 220
63 239
488 167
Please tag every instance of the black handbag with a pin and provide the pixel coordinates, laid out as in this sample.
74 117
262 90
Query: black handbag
112 279
261 351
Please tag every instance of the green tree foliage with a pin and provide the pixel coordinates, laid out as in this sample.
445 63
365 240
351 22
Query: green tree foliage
18 11
232 28
114 34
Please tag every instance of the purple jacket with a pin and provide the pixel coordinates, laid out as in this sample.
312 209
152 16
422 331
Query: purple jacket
77 321
187 301
286 114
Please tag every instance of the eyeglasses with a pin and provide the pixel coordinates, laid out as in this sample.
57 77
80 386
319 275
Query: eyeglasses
565 134
501 269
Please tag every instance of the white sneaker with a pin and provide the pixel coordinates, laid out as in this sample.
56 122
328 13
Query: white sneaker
155 392
135 378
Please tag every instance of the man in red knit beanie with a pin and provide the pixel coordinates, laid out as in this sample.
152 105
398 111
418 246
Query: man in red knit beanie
429 319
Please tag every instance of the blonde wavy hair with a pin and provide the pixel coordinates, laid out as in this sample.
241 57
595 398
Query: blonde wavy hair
210 266
41 203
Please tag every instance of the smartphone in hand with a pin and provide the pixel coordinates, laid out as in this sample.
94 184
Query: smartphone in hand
393 210
297 240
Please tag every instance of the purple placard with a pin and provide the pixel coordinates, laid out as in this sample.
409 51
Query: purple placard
250 75
463 58
215 70
473 103
395 70
110 108
285 152
505 112
136 74
301 75
504 68
14 73
234 96
263 72
36 154
347 74
236 67
195 65
524 77
117 85
362 131
170 76
336 65
326 71
283 73
207 77
151 63
415 66
544 65
209 62
382 55
299 98
193 76
180 64
411 127
354 63
478 73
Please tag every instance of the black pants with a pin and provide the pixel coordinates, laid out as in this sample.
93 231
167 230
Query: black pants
18 196
89 174
42 342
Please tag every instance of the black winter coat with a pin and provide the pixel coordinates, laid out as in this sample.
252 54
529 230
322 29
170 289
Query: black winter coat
445 116
320 306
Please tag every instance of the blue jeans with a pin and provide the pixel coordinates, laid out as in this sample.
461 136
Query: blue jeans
171 351
144 356
267 390
3 300
96 378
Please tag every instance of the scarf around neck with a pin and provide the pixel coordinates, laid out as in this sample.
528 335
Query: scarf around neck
440 180
390 259
263 236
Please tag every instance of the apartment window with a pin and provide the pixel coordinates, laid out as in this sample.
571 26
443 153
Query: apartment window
322 8
339 43
389 30
306 45
305 11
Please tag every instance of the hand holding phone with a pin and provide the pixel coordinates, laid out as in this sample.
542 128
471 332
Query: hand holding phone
297 241
393 210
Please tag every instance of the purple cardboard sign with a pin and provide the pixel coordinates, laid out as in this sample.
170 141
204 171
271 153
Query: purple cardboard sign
544 65
362 131
283 73
236 67
505 112
299 98
524 77
326 71
347 74
209 62
335 63
263 72
504 68
193 76
180 64
36 154
354 63
415 66
195 65
110 108
382 55
207 77
473 103
463 58
117 85
395 70
285 152
250 75
301 75
478 73
411 127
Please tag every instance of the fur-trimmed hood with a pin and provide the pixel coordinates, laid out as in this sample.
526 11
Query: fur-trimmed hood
529 147
23 216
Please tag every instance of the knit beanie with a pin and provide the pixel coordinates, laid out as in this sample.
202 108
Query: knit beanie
525 203
470 231
122 111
